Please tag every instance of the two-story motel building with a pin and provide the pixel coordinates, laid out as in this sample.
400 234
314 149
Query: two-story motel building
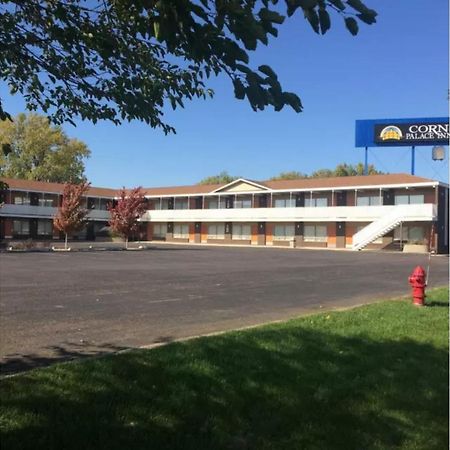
374 211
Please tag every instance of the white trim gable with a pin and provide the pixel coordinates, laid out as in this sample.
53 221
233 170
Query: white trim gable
242 185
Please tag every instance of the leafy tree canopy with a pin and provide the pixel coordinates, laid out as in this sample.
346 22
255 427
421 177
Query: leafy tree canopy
291 175
33 149
126 59
222 178
341 170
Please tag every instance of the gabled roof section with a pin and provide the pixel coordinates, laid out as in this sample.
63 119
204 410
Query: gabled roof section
242 185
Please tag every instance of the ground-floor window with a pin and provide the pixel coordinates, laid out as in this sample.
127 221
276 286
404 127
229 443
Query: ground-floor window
21 227
101 229
315 233
45 228
241 231
160 230
181 230
283 232
410 234
216 231
81 234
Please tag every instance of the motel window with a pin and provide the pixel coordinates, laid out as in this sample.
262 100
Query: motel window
181 230
21 198
283 232
284 203
21 227
409 233
242 203
216 231
368 200
241 231
316 202
163 204
315 233
48 200
409 199
45 202
45 227
160 230
104 203
212 203
180 203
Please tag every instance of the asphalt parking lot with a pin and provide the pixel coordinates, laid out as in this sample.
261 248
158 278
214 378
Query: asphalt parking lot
66 305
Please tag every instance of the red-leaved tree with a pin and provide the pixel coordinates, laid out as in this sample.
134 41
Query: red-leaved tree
126 212
71 215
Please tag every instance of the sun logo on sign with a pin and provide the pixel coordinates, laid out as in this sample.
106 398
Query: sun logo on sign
391 133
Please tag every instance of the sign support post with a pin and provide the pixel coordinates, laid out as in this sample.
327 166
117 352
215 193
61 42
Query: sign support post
413 159
366 165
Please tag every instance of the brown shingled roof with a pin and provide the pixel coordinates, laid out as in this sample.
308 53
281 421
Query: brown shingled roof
336 182
188 190
199 189
57 188
307 183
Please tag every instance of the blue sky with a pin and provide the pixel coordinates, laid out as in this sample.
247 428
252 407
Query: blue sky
395 68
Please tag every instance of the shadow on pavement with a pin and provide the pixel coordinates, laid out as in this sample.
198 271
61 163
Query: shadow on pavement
57 353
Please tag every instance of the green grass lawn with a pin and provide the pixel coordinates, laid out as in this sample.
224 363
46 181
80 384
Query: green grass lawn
375 377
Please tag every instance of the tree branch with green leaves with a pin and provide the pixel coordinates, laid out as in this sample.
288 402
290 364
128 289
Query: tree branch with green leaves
125 59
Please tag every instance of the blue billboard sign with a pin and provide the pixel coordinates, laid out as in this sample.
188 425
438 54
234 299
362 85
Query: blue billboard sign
402 132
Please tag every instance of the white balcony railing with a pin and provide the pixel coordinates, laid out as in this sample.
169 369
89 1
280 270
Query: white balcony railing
320 214
44 212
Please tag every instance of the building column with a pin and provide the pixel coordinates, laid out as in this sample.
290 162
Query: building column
204 233
191 232
254 234
192 203
269 233
33 228
8 227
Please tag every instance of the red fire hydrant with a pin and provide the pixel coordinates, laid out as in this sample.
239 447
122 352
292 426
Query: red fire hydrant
418 283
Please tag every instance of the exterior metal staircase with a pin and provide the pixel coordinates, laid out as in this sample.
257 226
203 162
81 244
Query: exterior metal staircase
384 224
